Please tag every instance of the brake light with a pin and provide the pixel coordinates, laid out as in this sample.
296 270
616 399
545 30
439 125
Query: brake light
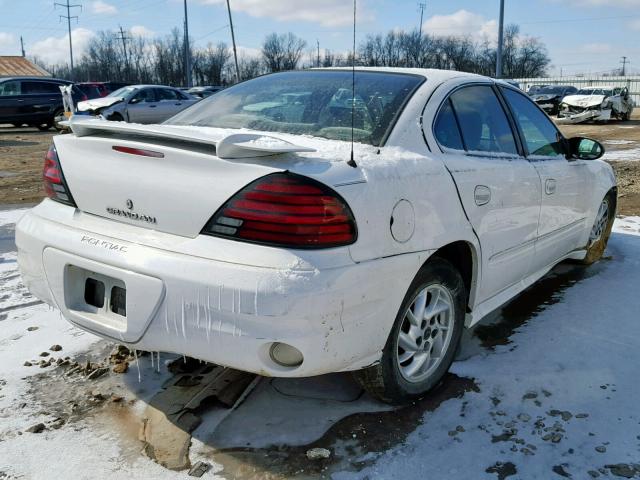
54 183
286 210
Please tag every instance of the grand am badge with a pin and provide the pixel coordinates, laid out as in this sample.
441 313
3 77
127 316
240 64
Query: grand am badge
118 212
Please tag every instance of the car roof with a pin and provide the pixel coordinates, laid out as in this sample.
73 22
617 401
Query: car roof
431 74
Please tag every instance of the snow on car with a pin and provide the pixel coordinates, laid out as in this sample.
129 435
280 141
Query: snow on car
242 233
597 104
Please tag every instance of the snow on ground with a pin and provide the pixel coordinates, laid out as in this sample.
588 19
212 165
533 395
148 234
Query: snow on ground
559 396
630 154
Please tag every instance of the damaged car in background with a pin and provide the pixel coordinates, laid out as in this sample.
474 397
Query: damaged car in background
548 97
598 104
138 104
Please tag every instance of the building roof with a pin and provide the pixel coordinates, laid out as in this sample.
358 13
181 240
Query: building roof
11 66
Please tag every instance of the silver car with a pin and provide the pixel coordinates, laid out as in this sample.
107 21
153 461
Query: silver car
139 104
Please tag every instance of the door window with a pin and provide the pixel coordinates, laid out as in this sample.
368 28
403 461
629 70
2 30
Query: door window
446 128
34 88
9 88
540 135
166 94
482 121
145 96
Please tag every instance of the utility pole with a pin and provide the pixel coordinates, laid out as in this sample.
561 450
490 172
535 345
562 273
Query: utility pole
124 39
68 16
187 50
318 43
233 40
421 6
22 46
500 41
624 62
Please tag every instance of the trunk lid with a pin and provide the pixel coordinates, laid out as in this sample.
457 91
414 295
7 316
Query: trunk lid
170 178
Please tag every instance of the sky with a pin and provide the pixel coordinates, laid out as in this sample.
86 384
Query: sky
582 36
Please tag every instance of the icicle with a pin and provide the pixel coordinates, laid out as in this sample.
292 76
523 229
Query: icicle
184 331
158 363
166 313
198 312
255 297
208 314
184 358
153 367
135 355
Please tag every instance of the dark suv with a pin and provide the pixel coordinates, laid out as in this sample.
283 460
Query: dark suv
34 101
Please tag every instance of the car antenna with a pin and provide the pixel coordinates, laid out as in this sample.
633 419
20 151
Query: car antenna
352 162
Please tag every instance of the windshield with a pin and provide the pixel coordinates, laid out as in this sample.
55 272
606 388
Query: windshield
594 91
122 92
317 103
553 90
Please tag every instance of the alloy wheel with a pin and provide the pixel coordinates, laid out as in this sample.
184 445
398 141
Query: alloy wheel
600 225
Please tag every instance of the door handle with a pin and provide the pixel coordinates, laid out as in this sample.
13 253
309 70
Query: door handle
550 186
178 103
152 106
482 195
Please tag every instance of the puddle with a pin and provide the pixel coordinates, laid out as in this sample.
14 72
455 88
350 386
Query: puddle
497 327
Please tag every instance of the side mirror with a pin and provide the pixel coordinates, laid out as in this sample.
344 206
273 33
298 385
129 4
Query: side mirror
582 148
134 100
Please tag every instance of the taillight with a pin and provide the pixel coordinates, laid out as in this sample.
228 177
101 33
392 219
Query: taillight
54 184
286 210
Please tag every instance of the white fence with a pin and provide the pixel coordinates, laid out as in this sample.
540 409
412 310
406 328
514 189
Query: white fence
631 82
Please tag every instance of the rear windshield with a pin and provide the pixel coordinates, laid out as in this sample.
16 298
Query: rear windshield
317 103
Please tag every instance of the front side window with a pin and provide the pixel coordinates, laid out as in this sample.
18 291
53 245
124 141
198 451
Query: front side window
317 103
144 96
482 121
9 88
166 94
540 135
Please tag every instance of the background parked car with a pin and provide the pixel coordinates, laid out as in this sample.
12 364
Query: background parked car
548 97
34 101
204 91
91 90
139 104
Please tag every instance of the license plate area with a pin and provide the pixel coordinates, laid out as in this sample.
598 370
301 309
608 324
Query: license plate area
96 295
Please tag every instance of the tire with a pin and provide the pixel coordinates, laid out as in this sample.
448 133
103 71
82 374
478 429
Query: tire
56 125
115 117
391 380
601 230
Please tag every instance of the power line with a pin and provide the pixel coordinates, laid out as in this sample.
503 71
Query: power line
124 39
68 16
233 41
500 41
187 50
421 6
624 62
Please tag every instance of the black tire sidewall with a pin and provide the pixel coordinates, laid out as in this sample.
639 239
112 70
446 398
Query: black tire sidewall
439 271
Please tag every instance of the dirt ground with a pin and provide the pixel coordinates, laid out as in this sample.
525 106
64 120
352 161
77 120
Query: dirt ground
22 152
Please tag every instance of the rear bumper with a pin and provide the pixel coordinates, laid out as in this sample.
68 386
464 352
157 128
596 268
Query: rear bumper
226 313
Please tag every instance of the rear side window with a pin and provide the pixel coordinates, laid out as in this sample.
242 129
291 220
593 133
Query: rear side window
40 87
540 135
482 120
446 128
9 88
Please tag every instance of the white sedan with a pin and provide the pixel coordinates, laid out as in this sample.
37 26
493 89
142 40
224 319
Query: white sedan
289 226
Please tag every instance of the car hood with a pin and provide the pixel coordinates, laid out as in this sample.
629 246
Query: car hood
584 100
98 103
544 97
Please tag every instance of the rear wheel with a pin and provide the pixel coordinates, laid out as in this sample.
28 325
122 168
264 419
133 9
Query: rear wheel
601 230
424 337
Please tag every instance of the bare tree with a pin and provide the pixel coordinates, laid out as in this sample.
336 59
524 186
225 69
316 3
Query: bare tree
282 52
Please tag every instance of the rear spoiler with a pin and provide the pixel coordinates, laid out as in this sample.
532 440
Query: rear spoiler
237 145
